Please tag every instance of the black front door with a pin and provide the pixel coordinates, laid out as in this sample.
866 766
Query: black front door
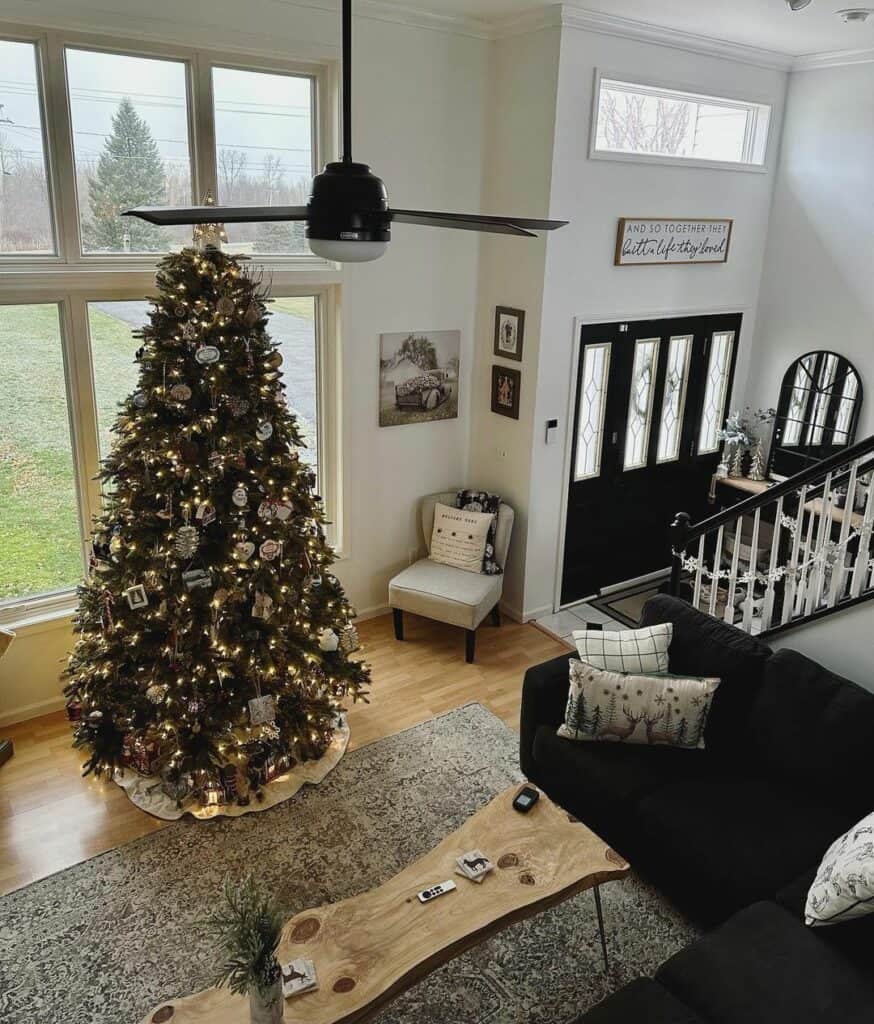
651 400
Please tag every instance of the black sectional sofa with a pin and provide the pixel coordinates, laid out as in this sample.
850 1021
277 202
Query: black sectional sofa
732 834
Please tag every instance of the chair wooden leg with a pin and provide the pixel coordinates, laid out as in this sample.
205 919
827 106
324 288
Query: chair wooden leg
398 616
496 615
469 645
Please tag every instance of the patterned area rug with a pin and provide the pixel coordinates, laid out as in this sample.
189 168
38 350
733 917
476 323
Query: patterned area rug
107 940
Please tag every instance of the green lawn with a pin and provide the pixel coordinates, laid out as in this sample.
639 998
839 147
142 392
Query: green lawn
39 528
300 305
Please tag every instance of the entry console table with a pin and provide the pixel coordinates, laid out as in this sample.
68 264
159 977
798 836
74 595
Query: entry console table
370 948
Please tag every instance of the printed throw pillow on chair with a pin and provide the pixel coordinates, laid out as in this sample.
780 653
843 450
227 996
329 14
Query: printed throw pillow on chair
844 884
482 501
625 708
459 537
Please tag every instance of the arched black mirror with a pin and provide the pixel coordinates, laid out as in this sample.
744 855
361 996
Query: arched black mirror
817 414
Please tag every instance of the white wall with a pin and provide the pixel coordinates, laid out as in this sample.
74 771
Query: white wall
581 280
816 286
420 104
842 643
518 169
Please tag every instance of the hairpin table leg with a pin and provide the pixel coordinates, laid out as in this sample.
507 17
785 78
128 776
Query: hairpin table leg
597 891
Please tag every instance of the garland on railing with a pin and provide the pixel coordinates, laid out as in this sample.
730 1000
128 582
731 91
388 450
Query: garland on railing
828 557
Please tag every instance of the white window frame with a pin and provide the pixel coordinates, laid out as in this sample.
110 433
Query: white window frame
754 135
71 279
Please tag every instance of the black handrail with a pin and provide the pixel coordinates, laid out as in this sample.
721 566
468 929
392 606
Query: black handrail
683 533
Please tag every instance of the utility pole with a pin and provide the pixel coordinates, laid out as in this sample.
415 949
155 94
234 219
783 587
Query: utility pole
3 172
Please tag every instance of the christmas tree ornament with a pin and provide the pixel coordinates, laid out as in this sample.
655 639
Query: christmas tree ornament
264 430
349 640
116 544
187 541
206 513
140 399
282 511
180 392
157 692
262 709
274 360
269 550
207 354
136 596
240 496
270 731
215 461
197 579
244 550
238 406
179 311
328 640
225 306
262 606
267 510
189 330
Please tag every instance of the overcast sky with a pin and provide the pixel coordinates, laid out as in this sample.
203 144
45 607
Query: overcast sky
256 113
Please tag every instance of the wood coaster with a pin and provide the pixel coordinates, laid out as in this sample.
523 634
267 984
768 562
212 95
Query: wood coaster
161 1014
344 984
508 860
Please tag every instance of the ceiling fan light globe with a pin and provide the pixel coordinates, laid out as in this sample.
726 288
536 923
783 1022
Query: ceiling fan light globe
343 251
798 5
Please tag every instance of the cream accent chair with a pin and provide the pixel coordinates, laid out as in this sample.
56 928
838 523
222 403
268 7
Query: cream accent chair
445 593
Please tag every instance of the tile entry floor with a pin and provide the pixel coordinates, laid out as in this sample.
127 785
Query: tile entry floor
562 624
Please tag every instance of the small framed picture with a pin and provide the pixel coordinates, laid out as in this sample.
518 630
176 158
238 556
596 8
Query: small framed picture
509 331
506 384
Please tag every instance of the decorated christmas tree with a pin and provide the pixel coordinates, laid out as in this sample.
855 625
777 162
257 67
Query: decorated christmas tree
214 644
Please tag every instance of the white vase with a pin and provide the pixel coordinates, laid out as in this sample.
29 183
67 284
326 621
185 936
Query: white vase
267 1008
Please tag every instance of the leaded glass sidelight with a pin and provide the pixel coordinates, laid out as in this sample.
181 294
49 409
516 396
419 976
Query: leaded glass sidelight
637 426
593 401
715 391
674 398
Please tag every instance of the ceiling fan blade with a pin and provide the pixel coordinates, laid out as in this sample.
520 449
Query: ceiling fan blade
462 223
170 215
426 217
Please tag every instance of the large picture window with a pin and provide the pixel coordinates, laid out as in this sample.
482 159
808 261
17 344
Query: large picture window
115 125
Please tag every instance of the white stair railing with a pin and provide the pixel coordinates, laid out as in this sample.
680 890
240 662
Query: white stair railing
800 550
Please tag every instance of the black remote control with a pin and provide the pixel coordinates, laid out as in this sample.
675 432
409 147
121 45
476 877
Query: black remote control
525 799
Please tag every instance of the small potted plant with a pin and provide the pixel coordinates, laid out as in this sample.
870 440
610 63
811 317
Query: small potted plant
248 924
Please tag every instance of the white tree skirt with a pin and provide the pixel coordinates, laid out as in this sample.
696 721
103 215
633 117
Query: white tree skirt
145 790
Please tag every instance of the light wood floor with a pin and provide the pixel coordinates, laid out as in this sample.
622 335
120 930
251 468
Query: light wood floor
50 817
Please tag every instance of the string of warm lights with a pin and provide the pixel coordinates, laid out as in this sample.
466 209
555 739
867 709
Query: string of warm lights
213 647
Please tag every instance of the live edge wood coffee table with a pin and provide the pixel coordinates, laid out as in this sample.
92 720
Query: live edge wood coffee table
370 948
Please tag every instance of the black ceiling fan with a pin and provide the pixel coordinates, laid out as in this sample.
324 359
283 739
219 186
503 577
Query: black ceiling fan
348 218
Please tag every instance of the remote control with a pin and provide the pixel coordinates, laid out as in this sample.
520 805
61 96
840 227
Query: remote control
426 895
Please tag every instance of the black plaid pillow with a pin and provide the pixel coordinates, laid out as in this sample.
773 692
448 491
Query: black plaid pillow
482 501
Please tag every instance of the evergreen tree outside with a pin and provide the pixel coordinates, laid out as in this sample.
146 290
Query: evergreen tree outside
213 645
130 172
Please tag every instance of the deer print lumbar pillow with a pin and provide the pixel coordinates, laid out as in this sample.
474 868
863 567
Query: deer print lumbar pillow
844 884
631 650
617 707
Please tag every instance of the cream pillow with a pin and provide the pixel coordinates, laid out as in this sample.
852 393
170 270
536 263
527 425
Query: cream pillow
622 708
459 537
844 884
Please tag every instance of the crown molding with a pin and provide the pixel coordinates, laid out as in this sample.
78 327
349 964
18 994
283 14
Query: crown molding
628 28
465 25
834 59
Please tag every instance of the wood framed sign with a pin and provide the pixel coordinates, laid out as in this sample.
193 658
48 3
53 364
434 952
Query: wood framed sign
662 241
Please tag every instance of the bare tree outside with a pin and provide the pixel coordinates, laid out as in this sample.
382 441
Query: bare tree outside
631 122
